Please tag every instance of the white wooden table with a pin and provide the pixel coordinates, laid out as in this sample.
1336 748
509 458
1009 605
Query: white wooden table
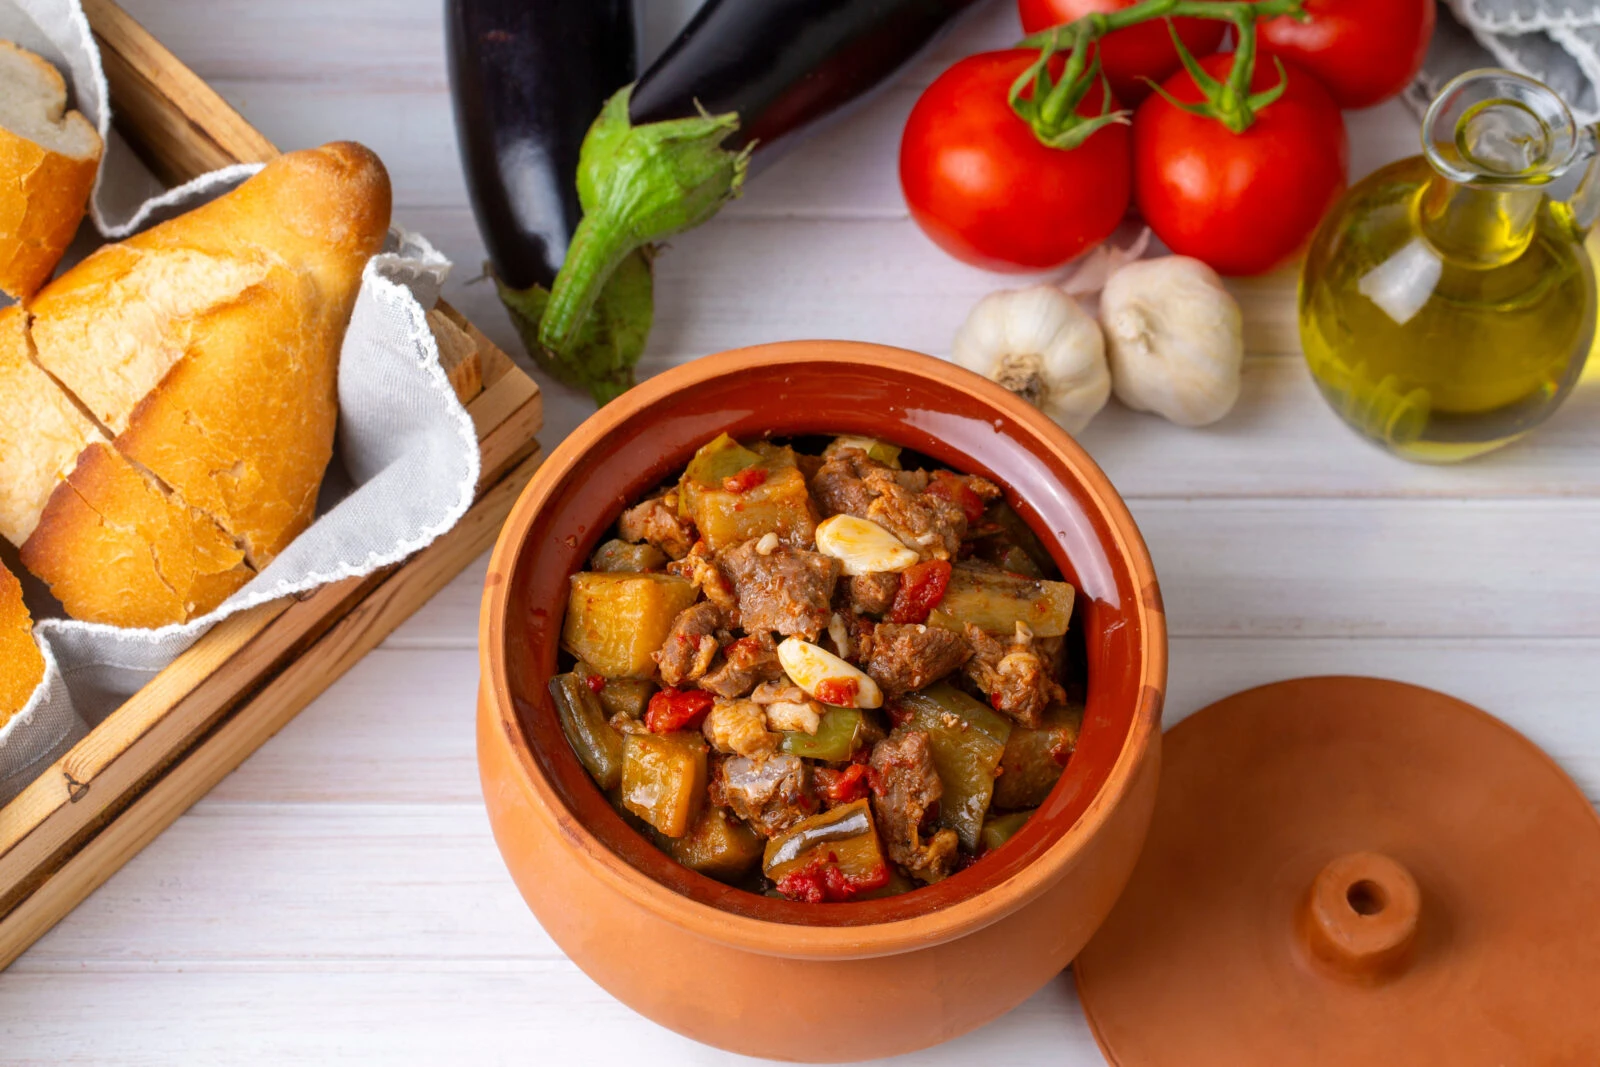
339 898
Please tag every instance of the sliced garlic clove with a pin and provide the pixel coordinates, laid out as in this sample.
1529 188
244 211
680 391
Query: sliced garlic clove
825 677
862 546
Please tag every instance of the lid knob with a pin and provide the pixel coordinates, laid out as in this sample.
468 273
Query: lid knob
1360 918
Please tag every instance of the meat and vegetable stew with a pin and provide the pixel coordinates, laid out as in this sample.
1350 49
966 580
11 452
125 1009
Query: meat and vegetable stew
822 673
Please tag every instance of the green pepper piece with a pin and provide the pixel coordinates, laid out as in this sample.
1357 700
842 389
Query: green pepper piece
967 741
836 740
1035 757
998 829
583 720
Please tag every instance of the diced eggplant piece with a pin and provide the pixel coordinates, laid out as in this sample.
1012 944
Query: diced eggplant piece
717 459
995 602
664 779
1034 758
998 829
967 741
618 696
620 557
615 621
718 845
837 738
583 720
756 501
843 837
1013 532
882 451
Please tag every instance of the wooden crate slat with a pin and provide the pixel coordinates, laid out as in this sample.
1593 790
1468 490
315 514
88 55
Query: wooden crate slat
265 712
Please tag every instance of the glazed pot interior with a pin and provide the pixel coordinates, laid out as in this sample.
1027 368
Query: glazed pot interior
927 406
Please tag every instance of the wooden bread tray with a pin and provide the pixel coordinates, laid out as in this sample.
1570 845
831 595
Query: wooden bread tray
138 770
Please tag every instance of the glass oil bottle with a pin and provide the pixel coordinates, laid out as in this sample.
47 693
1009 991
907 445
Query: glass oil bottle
1447 303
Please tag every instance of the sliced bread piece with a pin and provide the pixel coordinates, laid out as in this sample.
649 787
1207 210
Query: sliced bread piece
42 432
117 547
21 662
209 344
48 158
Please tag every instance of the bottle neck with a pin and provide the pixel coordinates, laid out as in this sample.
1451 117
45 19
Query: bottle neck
1480 227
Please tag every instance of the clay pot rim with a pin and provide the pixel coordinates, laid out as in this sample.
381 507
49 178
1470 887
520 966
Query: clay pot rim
826 941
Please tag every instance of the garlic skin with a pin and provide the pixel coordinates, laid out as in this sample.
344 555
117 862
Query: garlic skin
1038 343
1175 338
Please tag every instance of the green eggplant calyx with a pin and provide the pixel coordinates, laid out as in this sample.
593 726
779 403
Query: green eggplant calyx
637 185
601 357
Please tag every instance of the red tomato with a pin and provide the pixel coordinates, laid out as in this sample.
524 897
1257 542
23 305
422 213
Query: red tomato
841 787
922 586
957 490
1129 56
1362 51
745 480
987 191
1241 202
677 709
840 692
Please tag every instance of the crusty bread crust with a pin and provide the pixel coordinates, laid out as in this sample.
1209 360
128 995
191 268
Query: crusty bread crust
41 432
116 548
230 395
21 662
43 193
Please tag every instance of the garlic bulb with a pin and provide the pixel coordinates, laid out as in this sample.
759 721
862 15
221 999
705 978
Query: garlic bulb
1174 335
1041 345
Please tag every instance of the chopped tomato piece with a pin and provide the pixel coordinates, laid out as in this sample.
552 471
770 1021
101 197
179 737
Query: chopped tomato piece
746 479
955 488
820 882
595 682
671 710
922 586
841 787
840 692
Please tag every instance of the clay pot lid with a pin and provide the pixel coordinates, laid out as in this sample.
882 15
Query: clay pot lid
1353 871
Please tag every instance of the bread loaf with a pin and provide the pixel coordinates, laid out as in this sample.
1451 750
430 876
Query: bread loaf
48 159
201 358
21 663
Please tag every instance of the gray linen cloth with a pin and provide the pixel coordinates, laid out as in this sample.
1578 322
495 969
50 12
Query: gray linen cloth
406 457
1556 41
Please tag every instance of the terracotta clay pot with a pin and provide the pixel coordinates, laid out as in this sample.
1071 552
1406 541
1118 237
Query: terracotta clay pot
778 978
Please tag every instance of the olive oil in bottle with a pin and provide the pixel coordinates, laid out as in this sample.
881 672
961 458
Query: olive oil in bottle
1447 304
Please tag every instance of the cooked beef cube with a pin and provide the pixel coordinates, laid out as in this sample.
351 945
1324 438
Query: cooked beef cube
1016 677
744 663
770 794
905 788
852 483
838 486
739 727
906 658
691 644
657 522
701 570
873 594
788 590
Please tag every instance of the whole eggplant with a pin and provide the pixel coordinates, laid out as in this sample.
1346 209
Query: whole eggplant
784 65
668 152
528 77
